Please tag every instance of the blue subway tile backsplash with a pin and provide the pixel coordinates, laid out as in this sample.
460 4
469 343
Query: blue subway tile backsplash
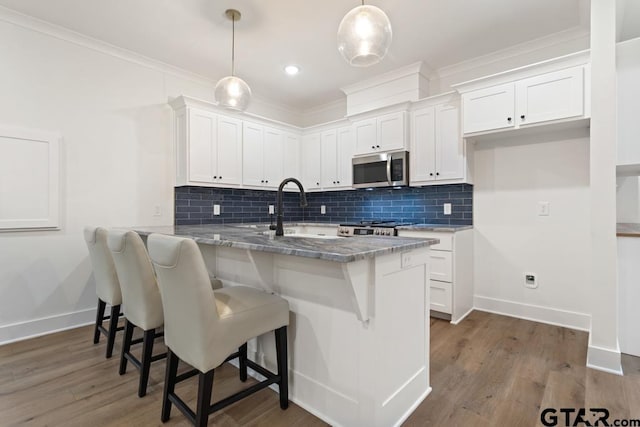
194 205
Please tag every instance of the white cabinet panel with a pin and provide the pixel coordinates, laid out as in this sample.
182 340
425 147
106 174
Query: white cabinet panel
310 163
392 133
550 96
450 159
291 156
345 152
490 108
441 297
441 266
273 157
423 145
365 132
229 151
328 159
252 157
202 133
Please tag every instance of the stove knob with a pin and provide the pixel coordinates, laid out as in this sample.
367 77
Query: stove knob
388 232
377 232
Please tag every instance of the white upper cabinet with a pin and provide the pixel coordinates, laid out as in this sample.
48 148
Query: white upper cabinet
291 156
310 161
552 91
209 148
336 153
383 133
551 96
263 155
490 108
438 153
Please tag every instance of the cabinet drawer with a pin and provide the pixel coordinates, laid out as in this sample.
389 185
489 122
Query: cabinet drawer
440 266
440 296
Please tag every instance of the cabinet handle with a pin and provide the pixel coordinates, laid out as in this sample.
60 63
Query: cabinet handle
373 146
317 183
220 177
262 181
509 119
266 182
522 117
334 182
431 174
215 177
437 173
377 146
337 182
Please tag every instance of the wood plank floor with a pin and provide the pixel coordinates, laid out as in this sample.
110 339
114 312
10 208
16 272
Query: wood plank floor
489 370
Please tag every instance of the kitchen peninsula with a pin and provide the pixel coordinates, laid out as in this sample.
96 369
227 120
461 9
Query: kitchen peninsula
359 335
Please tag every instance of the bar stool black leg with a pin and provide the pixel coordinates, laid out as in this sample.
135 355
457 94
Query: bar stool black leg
145 363
169 384
113 327
205 385
126 346
242 362
283 368
99 317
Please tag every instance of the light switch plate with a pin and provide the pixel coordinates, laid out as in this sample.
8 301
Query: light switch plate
447 208
323 209
216 209
543 208
271 210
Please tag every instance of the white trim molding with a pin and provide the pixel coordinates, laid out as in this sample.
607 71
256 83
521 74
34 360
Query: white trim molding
604 359
21 331
536 313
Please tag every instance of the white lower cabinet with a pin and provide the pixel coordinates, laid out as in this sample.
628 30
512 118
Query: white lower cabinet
451 272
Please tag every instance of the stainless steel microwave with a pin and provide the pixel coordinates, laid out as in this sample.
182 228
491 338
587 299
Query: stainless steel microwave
381 170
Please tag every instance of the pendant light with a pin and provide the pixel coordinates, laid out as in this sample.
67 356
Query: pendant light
364 35
233 92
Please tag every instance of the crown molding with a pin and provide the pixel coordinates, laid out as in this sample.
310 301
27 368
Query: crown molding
416 68
530 46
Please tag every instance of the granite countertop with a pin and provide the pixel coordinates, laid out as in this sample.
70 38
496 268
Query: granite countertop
435 227
628 229
245 236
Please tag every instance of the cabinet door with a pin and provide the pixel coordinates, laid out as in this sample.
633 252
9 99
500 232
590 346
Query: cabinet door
392 131
328 153
273 157
291 156
229 151
310 163
202 154
365 134
252 154
345 150
441 296
488 109
449 148
551 96
423 145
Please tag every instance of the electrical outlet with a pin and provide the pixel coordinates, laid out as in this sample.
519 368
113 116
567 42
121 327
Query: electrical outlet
530 280
271 210
323 209
216 209
447 208
543 208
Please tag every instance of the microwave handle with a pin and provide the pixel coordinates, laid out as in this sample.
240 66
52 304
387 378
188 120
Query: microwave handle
389 170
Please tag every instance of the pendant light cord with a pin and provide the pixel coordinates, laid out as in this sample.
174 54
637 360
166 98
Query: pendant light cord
233 44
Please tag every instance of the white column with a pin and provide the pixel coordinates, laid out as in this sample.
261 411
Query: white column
603 353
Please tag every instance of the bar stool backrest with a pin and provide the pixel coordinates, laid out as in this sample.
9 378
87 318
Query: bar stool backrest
104 270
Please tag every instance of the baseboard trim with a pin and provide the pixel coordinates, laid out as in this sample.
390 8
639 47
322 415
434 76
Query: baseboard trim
413 407
551 316
21 331
461 318
604 359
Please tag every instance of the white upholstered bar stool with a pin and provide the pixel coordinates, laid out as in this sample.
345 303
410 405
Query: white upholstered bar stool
107 285
203 327
141 298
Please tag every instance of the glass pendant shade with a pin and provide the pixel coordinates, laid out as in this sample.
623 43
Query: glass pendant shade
364 36
232 92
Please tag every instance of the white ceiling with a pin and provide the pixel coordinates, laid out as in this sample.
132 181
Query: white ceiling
195 35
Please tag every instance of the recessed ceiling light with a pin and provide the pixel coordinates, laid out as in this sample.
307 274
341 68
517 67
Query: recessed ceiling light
291 70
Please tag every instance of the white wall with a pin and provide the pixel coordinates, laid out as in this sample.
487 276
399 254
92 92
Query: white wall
512 175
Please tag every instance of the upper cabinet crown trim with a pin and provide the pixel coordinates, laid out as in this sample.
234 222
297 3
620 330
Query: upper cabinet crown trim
554 64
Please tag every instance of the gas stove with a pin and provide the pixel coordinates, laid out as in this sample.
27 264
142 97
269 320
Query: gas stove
370 228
